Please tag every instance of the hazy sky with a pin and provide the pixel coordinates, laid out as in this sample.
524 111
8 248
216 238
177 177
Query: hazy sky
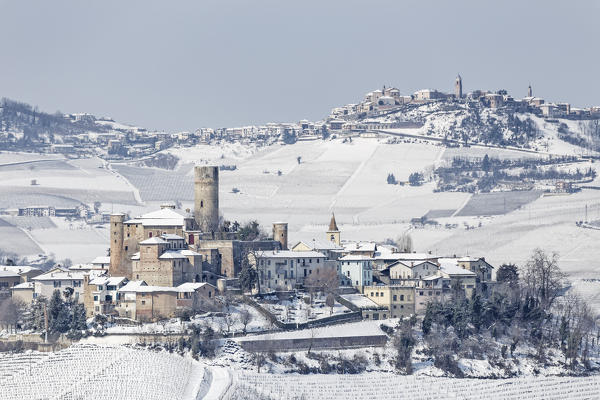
180 65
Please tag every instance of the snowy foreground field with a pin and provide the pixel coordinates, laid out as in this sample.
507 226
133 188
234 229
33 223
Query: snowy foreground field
118 372
388 386
99 372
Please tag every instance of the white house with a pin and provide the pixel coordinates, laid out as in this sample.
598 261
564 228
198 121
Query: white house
358 269
58 278
106 293
286 269
412 270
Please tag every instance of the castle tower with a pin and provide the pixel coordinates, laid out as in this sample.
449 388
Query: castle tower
333 234
529 92
118 262
206 198
280 234
458 87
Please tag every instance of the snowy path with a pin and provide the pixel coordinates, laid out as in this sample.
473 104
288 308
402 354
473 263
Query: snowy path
216 383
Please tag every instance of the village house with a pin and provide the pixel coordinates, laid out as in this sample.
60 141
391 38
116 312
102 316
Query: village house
431 288
23 292
329 248
459 276
358 269
101 294
195 295
399 300
412 270
59 279
286 269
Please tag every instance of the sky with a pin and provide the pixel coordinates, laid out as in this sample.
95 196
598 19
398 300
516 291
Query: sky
181 65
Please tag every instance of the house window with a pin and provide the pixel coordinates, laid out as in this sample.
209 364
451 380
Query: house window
149 234
57 284
376 294
76 283
143 302
401 297
395 299
126 248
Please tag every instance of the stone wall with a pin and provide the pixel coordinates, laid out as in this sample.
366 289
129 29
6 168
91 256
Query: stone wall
330 343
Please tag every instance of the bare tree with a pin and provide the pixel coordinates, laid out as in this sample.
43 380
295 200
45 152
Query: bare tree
245 317
542 278
330 302
405 243
324 279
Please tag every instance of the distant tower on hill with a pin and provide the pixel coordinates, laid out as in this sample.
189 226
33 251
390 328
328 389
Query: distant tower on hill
458 87
206 198
529 92
333 234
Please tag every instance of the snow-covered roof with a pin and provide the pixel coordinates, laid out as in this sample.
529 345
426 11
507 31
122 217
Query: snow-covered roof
320 244
8 274
171 254
290 254
132 286
163 217
450 267
468 259
108 280
59 274
18 269
135 256
355 257
101 260
154 240
192 286
24 285
188 252
360 301
359 246
171 236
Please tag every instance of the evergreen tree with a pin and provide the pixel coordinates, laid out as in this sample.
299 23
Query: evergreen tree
428 319
485 164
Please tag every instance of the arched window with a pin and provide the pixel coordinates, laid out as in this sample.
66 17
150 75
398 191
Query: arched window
201 203
191 238
149 234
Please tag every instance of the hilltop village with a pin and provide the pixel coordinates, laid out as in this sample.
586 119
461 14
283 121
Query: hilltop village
168 262
24 128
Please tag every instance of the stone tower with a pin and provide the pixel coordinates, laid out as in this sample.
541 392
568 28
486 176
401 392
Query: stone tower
280 234
118 262
529 92
333 234
206 198
458 87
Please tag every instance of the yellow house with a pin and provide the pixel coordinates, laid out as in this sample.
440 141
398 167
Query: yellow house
399 300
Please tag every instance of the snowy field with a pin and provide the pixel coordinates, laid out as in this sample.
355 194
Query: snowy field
346 178
99 372
388 386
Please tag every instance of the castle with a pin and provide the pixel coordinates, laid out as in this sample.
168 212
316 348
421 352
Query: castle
168 247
